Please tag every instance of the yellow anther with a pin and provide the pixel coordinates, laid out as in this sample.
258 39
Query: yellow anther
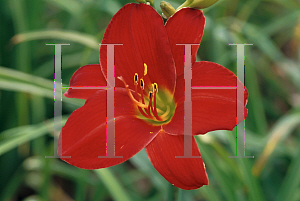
142 84
145 69
136 78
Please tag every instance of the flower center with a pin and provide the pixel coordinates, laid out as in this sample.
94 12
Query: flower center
155 106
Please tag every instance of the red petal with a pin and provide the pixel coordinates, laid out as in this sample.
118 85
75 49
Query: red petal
185 27
84 134
142 32
213 109
185 173
88 75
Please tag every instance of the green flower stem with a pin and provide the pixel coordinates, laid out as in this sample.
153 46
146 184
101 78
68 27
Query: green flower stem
171 192
185 4
180 195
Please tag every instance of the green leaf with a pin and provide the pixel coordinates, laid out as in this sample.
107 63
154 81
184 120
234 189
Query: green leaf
14 137
71 6
66 36
279 132
13 80
291 182
280 23
141 161
217 170
113 186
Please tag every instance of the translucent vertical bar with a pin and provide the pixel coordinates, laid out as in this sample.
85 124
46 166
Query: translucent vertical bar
110 102
188 136
240 134
57 100
110 120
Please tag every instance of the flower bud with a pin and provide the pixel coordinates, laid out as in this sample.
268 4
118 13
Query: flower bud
200 4
151 2
167 9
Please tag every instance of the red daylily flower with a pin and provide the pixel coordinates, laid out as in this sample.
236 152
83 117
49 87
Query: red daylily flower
149 96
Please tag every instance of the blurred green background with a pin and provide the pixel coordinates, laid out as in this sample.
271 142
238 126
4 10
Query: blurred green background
26 103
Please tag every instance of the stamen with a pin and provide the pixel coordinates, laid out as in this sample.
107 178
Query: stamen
145 69
136 78
154 109
141 96
142 83
150 103
131 96
135 86
155 87
144 113
138 96
142 90
150 111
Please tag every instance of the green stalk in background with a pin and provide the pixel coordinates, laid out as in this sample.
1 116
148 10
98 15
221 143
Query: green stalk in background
22 59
